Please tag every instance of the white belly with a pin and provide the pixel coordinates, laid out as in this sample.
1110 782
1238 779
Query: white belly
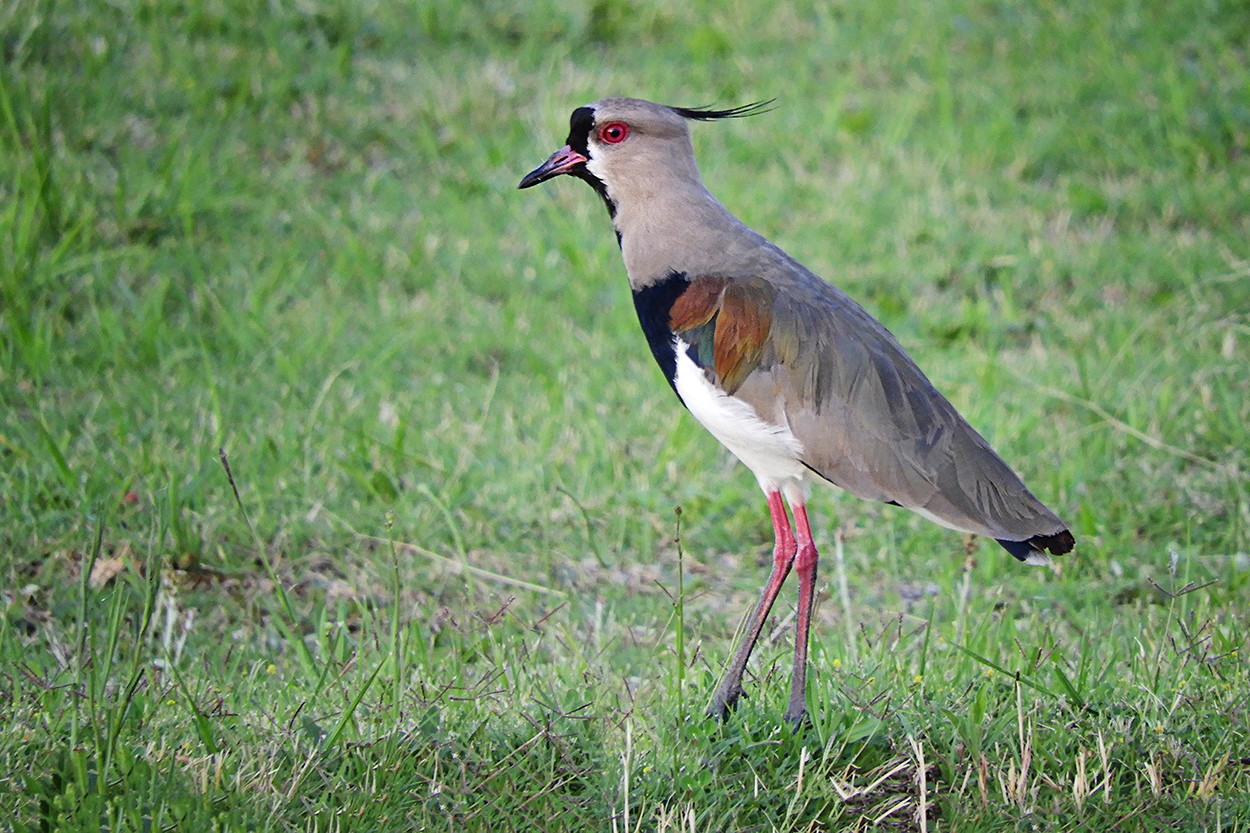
771 452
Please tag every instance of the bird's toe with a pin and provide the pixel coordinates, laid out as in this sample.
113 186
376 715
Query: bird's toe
797 719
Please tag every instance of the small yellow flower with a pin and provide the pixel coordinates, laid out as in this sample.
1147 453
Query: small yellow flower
919 678
271 669
837 663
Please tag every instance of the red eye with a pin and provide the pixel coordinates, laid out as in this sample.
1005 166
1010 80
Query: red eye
614 132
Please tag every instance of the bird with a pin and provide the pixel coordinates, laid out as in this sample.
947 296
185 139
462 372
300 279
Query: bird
789 373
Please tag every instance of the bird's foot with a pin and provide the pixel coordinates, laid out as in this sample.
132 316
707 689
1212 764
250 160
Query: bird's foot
797 719
723 703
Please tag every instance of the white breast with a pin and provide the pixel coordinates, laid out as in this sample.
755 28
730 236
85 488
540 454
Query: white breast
770 451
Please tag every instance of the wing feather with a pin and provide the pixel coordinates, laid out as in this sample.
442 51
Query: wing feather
726 323
804 354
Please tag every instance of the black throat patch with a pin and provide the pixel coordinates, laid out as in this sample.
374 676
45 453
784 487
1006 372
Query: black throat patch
654 304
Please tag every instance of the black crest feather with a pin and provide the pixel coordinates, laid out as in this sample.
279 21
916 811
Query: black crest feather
708 114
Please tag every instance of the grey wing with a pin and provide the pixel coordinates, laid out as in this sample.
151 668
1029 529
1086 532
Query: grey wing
873 424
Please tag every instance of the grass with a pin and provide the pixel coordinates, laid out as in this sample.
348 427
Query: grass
444 583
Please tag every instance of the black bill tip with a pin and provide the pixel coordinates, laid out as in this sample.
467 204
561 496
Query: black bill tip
563 161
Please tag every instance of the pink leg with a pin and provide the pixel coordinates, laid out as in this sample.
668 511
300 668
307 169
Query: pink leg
805 565
730 688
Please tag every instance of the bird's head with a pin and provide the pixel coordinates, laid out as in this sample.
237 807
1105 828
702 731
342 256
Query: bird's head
621 146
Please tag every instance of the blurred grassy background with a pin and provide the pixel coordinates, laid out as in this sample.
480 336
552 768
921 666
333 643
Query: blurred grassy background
455 599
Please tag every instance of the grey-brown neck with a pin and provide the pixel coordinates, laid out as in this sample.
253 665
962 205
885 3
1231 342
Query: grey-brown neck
665 218
681 228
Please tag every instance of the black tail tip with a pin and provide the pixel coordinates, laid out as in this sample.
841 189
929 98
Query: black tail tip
1057 544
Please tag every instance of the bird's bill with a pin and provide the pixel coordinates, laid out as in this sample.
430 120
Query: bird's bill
562 161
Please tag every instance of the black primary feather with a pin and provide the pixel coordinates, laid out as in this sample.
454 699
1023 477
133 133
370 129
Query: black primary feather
1058 544
708 114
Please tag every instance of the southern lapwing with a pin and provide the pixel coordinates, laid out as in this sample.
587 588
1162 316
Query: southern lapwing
788 372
